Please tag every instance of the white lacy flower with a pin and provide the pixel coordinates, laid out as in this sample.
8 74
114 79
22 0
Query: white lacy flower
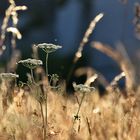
31 63
8 75
48 48
83 88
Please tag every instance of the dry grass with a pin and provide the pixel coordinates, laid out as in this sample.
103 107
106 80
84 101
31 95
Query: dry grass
11 12
123 62
113 116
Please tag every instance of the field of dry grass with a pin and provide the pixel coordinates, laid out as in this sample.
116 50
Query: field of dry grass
113 116
41 108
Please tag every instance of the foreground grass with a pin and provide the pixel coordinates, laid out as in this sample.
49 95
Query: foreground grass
110 117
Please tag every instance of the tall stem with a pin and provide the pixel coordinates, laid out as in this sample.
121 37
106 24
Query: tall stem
80 104
32 76
47 65
77 114
46 110
45 126
43 121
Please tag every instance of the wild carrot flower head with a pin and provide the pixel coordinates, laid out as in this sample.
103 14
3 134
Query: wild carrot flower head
82 88
55 77
31 63
8 76
49 48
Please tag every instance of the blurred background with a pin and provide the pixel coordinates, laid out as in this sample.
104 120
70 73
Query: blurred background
64 22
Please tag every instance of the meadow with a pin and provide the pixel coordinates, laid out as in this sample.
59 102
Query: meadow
41 108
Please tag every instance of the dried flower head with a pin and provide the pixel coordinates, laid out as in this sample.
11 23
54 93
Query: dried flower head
83 88
49 48
55 77
31 63
8 76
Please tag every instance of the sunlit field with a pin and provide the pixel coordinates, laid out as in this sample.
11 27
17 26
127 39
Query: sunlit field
42 109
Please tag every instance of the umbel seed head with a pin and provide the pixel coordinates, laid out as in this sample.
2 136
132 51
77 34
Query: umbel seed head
8 76
48 48
30 63
83 88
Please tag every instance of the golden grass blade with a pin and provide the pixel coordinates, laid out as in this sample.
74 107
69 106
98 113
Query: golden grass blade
85 39
91 79
117 78
114 82
122 61
11 13
87 35
15 31
89 72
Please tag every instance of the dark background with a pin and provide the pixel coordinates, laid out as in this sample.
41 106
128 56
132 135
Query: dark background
64 22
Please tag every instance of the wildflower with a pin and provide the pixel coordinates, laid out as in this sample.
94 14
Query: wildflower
31 63
54 78
49 48
8 76
83 88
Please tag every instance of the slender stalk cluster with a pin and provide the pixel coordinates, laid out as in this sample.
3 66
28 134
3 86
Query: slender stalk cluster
84 89
11 13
